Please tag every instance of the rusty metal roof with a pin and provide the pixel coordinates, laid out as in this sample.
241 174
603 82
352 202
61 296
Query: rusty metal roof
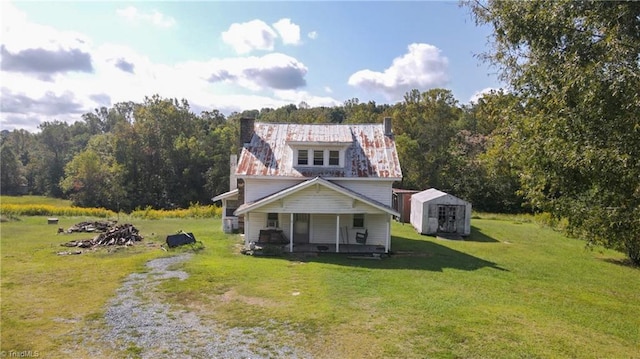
368 152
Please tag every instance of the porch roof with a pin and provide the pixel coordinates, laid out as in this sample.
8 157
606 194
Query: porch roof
230 194
248 207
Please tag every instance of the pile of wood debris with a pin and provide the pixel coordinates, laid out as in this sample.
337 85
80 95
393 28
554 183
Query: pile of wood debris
113 235
97 226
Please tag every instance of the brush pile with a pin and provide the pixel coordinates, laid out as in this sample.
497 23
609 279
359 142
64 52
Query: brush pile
114 235
97 226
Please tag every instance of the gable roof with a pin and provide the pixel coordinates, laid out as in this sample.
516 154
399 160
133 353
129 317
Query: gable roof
431 194
231 194
247 207
369 153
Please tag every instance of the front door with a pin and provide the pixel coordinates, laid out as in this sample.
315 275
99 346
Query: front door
447 219
300 228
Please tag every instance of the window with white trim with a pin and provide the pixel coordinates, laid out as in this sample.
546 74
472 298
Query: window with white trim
358 220
303 157
334 158
272 220
318 157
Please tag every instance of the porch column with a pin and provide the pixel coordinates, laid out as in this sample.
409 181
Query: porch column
291 233
245 232
387 245
338 233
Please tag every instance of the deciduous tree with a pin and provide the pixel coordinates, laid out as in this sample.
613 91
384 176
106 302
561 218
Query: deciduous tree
576 67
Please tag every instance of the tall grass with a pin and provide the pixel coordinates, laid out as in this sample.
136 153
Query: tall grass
13 210
29 206
194 211
58 202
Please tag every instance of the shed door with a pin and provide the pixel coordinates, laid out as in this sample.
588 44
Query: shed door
447 221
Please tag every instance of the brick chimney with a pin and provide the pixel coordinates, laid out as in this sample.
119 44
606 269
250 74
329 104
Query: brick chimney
233 164
246 131
387 127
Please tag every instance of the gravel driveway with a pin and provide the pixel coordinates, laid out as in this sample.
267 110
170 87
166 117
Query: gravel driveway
141 326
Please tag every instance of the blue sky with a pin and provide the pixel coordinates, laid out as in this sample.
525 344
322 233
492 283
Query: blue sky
63 59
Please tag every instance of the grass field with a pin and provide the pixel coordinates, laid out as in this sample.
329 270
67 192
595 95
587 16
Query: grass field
39 200
511 290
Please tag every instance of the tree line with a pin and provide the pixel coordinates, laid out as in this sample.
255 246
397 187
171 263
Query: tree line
159 153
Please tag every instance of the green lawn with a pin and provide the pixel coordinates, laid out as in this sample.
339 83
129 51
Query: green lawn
511 290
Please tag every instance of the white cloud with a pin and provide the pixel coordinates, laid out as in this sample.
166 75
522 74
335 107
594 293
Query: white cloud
478 94
248 36
289 32
313 35
155 17
422 67
275 71
18 34
119 73
295 97
257 35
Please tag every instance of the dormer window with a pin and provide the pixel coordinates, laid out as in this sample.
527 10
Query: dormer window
318 158
317 155
303 157
334 158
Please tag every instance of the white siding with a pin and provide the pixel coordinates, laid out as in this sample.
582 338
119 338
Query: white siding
259 188
285 224
323 228
418 214
318 199
256 222
376 224
377 190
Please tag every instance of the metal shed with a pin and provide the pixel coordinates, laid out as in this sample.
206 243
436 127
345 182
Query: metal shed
434 211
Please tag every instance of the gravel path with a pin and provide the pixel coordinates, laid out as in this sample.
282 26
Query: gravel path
142 326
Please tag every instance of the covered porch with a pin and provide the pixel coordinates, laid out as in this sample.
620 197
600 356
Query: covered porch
344 248
320 232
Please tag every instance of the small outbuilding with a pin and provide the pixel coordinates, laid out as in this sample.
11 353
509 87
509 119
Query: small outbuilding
401 202
434 211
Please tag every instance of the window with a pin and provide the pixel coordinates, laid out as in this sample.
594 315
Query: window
334 158
358 220
318 158
232 205
272 220
303 157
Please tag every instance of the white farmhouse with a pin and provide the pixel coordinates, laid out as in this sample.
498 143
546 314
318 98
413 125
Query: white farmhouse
315 187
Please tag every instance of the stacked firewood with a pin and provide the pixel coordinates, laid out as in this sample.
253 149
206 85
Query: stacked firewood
118 235
97 226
